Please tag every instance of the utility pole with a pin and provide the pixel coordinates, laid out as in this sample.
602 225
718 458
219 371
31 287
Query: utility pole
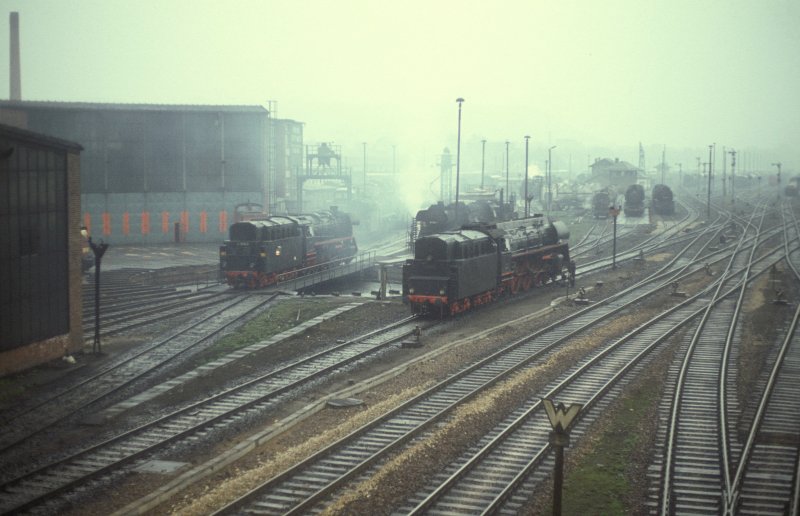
732 152
483 160
364 193
724 167
710 157
549 178
508 192
527 201
458 157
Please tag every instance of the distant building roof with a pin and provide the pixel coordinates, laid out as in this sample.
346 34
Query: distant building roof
37 138
615 165
45 104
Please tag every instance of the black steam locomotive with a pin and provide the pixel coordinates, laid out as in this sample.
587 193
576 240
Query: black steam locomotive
602 200
454 271
260 252
662 201
634 201
440 217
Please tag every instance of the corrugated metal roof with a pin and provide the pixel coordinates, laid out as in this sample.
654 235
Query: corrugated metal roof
46 104
15 133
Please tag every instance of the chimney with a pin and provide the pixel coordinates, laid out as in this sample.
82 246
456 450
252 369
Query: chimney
15 88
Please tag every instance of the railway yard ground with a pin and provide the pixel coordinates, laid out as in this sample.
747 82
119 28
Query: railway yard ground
606 469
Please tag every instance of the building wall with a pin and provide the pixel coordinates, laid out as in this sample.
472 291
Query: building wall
40 250
144 168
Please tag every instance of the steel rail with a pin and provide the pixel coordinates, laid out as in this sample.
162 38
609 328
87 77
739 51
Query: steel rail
38 486
398 426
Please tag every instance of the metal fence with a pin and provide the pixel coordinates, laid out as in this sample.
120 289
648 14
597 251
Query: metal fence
325 271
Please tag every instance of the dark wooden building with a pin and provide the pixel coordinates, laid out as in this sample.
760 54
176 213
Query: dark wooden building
40 249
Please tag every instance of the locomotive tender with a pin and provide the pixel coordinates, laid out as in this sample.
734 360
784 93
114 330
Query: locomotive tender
259 252
454 271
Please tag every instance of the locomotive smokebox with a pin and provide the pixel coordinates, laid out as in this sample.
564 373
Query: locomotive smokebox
555 232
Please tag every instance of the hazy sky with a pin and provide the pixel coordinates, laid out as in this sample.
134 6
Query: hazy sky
606 73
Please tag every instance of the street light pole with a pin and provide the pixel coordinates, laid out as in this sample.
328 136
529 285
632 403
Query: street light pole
732 152
527 201
483 160
549 179
365 168
458 155
710 150
508 192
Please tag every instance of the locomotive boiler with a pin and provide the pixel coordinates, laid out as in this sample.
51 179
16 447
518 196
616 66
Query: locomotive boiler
662 201
601 201
634 201
454 271
440 217
261 252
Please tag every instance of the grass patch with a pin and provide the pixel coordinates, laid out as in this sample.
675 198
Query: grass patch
283 316
602 481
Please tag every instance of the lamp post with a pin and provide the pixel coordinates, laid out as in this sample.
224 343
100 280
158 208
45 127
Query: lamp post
483 160
549 179
458 156
710 157
365 168
99 250
732 152
508 192
614 212
527 200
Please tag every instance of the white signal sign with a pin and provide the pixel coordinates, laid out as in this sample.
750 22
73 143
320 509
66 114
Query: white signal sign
560 417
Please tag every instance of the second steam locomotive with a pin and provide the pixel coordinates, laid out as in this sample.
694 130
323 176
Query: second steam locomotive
454 271
260 252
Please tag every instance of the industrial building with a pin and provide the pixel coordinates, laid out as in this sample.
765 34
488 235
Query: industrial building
40 249
160 173
615 172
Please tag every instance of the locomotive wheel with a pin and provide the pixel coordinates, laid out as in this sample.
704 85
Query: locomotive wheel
527 281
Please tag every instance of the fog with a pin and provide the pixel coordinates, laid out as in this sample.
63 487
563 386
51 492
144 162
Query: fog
593 78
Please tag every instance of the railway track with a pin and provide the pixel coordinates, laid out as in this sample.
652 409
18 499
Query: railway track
79 391
704 462
213 414
143 313
300 488
762 480
502 475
